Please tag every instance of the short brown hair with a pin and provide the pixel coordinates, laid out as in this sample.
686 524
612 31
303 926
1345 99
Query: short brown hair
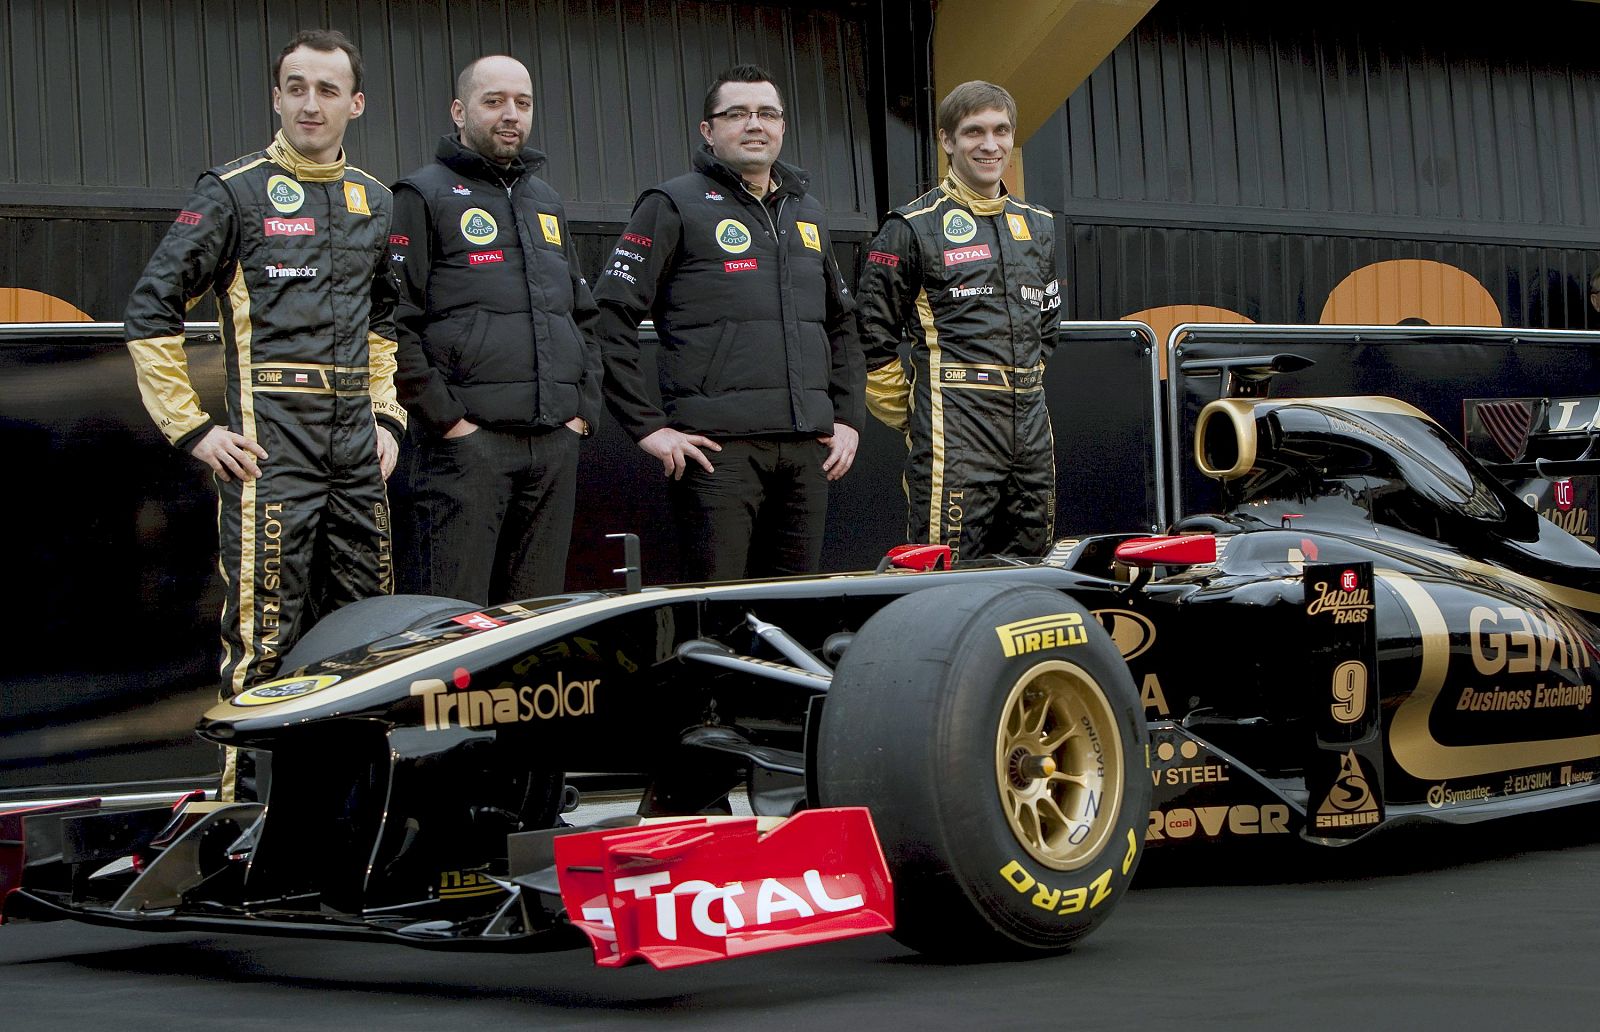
738 73
970 98
325 40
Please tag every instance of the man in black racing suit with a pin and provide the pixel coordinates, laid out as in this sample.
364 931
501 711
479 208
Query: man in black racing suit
292 242
970 272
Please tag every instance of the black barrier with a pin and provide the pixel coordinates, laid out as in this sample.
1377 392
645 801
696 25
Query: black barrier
113 592
1435 368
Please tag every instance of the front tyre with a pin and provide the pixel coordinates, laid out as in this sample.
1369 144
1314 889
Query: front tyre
997 737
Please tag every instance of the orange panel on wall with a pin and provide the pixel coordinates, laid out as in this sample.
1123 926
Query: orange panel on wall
18 304
1164 319
1411 290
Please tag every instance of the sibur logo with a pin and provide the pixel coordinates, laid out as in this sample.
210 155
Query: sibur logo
732 236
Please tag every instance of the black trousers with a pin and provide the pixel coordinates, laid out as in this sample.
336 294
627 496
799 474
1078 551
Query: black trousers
309 535
981 474
493 513
761 513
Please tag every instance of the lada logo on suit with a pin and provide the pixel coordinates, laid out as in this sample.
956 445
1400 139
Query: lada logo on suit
958 226
285 194
478 226
732 236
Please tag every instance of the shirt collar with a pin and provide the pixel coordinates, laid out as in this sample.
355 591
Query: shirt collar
302 167
956 189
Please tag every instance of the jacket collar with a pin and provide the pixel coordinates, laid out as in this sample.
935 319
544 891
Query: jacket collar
957 190
468 162
302 167
792 180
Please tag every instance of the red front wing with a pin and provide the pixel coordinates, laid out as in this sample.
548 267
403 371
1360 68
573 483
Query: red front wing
702 889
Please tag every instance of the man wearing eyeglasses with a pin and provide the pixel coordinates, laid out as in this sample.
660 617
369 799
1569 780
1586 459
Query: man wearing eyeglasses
760 372
968 271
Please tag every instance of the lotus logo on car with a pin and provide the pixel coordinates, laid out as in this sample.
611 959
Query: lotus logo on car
288 688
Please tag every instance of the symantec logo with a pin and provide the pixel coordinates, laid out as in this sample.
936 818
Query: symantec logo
306 226
958 255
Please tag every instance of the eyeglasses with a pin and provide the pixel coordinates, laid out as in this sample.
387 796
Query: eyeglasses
768 115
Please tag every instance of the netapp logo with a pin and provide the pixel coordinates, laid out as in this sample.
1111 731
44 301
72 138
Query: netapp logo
291 272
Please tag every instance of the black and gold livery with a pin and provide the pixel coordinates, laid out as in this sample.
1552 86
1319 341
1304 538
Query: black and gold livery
972 281
1370 631
295 255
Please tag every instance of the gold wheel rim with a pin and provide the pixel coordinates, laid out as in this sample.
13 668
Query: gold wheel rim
1058 764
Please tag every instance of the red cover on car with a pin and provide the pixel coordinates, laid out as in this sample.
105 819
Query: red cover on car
710 888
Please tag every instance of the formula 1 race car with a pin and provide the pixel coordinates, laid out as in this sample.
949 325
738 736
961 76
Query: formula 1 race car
1370 630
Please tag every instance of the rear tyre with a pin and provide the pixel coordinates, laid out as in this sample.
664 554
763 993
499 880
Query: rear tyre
1010 791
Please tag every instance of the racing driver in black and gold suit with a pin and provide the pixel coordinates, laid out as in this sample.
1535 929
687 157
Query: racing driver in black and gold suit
292 241
969 272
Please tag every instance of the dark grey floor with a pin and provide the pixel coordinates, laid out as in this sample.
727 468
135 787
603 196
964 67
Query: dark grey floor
1491 927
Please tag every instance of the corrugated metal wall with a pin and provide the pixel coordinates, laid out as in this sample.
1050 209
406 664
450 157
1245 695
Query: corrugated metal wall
121 103
112 107
1251 156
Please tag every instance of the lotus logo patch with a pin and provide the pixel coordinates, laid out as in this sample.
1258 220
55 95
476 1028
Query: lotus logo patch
959 227
478 226
285 194
809 235
288 688
552 229
1041 632
1018 226
732 236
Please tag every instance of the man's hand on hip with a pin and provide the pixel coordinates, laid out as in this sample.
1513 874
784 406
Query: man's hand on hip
388 451
227 452
841 450
674 448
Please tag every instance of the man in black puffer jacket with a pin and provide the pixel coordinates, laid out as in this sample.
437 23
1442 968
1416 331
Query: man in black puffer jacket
759 363
495 366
